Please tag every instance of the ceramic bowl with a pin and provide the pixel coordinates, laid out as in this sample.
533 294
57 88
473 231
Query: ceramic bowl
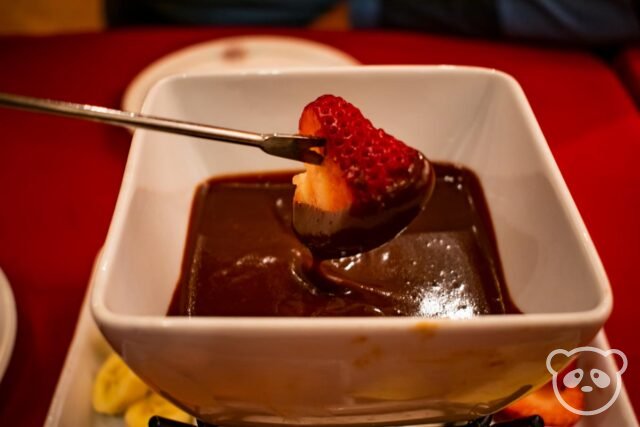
338 371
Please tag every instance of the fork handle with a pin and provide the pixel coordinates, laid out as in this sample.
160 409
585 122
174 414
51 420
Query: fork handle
129 119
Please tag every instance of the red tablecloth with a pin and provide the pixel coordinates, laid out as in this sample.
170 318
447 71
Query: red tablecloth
627 64
59 178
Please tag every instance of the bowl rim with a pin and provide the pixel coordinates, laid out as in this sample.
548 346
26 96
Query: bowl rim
595 316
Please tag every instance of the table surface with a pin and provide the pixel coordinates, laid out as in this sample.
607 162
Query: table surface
627 65
59 178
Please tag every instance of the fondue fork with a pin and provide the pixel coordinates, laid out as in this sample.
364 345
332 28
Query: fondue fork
289 146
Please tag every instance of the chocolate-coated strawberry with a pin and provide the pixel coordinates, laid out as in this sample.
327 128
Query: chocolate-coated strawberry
369 187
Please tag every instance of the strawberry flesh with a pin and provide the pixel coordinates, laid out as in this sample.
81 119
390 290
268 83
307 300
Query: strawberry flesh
368 188
544 402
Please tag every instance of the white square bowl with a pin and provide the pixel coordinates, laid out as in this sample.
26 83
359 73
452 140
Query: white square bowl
330 371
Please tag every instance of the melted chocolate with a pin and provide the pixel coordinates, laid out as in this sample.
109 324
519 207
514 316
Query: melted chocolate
242 257
362 228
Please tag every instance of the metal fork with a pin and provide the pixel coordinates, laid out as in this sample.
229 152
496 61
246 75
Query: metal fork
289 146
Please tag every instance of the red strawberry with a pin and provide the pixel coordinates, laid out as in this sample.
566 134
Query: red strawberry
368 188
544 402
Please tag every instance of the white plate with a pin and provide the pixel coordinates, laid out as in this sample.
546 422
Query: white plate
8 323
231 54
71 404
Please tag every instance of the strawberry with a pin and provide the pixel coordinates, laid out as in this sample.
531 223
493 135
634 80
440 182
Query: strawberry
368 188
544 402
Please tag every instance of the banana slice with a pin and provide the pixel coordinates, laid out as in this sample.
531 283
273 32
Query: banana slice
116 387
139 413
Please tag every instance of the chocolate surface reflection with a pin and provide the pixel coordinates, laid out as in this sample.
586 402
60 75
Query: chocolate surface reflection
243 259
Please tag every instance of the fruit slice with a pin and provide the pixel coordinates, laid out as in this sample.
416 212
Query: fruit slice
544 402
139 413
116 387
369 187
